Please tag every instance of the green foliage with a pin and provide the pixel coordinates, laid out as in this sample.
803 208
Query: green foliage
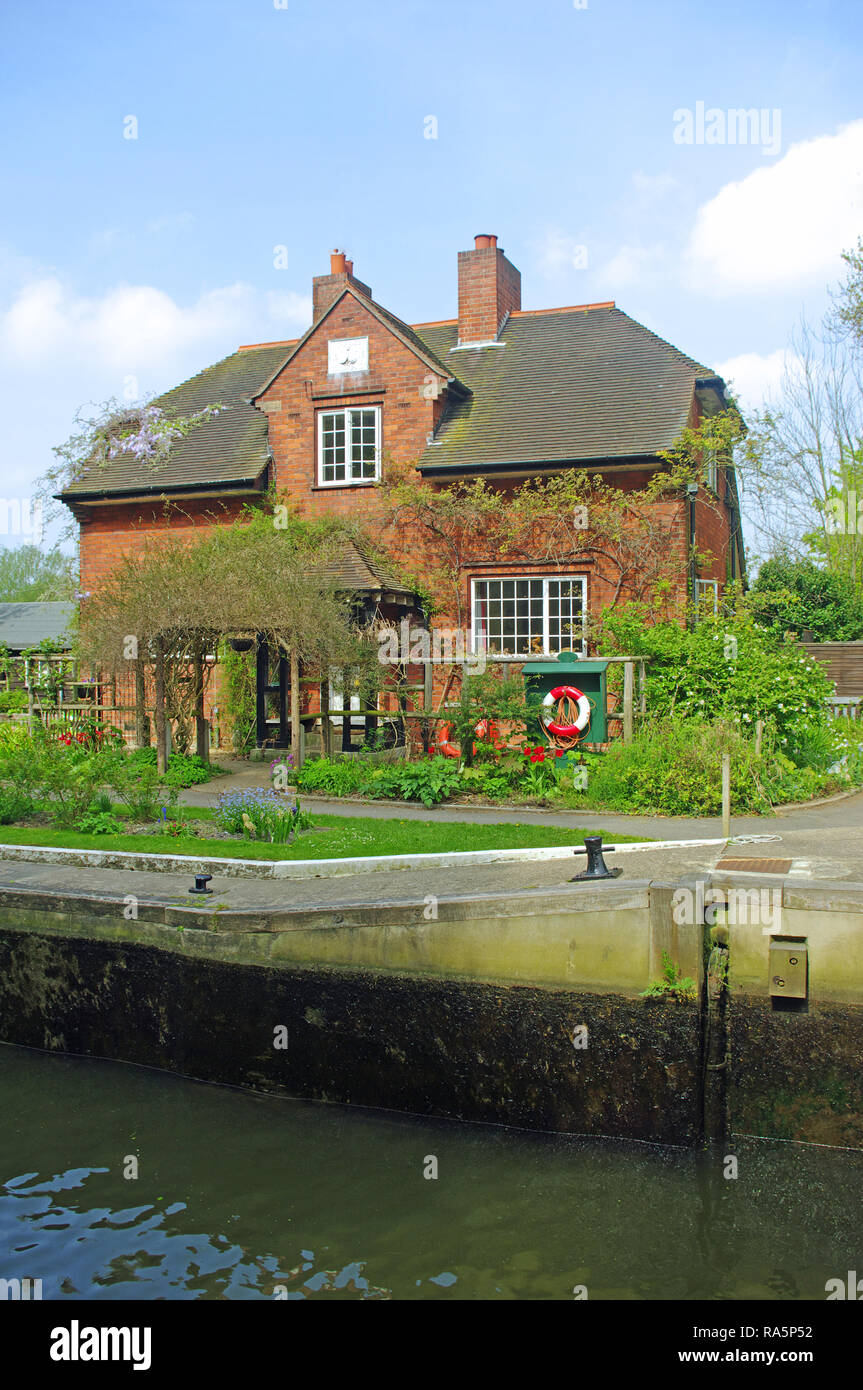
429 781
29 574
98 823
184 769
727 667
64 780
137 784
795 595
673 767
16 804
13 701
673 985
237 694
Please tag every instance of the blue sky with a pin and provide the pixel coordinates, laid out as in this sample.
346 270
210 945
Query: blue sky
142 260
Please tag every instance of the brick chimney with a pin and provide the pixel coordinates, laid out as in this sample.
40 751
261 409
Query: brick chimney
327 288
489 288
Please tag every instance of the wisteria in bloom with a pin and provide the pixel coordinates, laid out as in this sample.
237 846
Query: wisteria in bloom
151 433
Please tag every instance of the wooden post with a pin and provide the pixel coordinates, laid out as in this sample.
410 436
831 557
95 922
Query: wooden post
161 721
201 740
642 686
142 735
296 745
726 796
326 722
759 734
29 696
628 689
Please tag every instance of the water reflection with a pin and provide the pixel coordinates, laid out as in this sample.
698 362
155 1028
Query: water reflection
246 1197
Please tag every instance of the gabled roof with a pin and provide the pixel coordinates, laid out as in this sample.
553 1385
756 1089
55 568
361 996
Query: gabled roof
356 570
401 330
229 449
25 625
568 385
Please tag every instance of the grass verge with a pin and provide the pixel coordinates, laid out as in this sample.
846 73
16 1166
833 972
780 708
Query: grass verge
334 837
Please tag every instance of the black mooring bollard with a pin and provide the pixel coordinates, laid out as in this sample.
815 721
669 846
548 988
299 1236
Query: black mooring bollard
596 865
201 881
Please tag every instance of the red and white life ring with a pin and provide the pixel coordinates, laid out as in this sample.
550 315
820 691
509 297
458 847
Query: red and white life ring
485 730
566 692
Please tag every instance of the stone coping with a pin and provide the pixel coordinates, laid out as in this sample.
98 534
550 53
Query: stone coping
312 868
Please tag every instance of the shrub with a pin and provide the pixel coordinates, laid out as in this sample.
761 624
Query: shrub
98 823
338 778
136 783
13 701
184 769
700 674
430 781
15 805
674 767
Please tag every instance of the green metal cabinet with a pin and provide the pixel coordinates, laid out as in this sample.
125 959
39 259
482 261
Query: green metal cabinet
567 669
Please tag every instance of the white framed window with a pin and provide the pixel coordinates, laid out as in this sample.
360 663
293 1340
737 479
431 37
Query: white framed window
529 616
349 445
707 594
711 470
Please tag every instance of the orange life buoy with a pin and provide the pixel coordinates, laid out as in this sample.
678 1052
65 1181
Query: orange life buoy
485 730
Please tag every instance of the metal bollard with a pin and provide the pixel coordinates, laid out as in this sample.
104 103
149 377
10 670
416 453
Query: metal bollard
201 881
596 865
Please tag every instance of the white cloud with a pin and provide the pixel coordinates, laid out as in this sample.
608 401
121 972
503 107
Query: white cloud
61 349
784 224
557 253
635 265
138 328
756 377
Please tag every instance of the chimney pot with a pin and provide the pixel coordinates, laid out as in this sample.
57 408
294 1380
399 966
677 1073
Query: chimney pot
337 263
481 243
349 266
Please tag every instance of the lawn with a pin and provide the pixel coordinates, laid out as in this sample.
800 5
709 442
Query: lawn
334 837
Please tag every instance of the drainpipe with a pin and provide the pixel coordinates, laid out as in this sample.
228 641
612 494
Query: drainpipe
691 494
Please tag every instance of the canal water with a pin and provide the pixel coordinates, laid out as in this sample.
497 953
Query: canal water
239 1196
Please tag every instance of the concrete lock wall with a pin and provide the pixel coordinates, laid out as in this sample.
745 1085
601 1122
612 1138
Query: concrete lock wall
523 1009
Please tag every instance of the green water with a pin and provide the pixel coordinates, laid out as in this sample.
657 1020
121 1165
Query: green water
239 1194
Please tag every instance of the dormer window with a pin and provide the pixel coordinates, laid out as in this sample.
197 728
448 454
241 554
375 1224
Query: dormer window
349 446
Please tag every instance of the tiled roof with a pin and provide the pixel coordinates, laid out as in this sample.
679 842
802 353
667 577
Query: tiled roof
27 624
568 385
229 448
353 569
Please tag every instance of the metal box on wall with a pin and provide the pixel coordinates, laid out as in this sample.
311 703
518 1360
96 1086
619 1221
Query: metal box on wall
788 969
541 677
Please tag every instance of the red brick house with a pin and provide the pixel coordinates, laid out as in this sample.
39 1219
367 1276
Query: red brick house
498 392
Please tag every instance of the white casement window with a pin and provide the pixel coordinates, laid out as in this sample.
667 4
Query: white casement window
711 470
538 616
349 445
707 595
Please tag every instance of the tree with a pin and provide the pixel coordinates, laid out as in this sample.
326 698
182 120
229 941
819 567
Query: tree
799 596
166 604
28 574
803 457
